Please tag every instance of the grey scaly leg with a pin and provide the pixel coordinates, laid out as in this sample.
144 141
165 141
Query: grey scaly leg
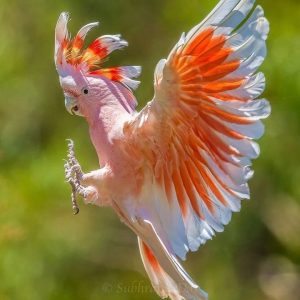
73 174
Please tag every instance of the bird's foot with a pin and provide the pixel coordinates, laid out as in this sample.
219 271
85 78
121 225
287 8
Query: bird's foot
73 175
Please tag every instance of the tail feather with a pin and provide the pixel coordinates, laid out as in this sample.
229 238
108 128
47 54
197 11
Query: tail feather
167 276
162 283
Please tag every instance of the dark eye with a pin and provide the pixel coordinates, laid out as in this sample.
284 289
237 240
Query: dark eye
85 91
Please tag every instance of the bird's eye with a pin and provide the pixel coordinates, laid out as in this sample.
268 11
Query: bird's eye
85 90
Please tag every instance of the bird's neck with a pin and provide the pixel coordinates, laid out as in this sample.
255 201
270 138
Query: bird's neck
106 122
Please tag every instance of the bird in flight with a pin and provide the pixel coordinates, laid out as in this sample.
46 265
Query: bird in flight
175 171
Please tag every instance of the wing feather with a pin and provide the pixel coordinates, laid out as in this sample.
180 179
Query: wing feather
201 125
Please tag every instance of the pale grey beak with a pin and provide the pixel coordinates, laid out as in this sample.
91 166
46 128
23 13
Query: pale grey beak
72 106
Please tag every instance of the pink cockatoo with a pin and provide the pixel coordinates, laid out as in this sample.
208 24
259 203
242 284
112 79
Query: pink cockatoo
175 171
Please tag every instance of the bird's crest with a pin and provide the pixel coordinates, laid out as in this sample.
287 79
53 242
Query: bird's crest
70 54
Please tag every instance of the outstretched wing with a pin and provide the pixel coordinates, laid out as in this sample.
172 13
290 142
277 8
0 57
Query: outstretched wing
198 132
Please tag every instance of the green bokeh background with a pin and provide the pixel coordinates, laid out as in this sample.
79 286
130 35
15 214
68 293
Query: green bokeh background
46 252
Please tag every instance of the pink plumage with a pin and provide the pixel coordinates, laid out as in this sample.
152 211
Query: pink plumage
175 171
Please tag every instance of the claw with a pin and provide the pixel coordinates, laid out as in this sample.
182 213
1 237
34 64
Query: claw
75 209
75 206
73 174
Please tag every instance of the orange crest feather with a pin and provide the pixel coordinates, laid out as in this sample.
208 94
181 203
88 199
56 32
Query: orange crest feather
70 54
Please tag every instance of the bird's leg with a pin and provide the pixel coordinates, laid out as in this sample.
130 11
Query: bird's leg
74 175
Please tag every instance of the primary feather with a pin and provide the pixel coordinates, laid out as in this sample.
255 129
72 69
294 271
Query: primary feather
183 163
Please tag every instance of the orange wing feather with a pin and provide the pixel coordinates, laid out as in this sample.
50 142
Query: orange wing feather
204 101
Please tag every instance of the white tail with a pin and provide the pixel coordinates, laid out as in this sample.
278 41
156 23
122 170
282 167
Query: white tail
167 276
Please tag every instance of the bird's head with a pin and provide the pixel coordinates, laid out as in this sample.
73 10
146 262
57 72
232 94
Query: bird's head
83 80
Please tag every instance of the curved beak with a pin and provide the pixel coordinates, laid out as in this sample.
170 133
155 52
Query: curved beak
71 105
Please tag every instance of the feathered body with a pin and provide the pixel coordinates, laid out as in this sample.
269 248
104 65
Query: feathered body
175 171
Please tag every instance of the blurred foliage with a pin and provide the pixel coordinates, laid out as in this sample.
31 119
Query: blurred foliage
45 252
